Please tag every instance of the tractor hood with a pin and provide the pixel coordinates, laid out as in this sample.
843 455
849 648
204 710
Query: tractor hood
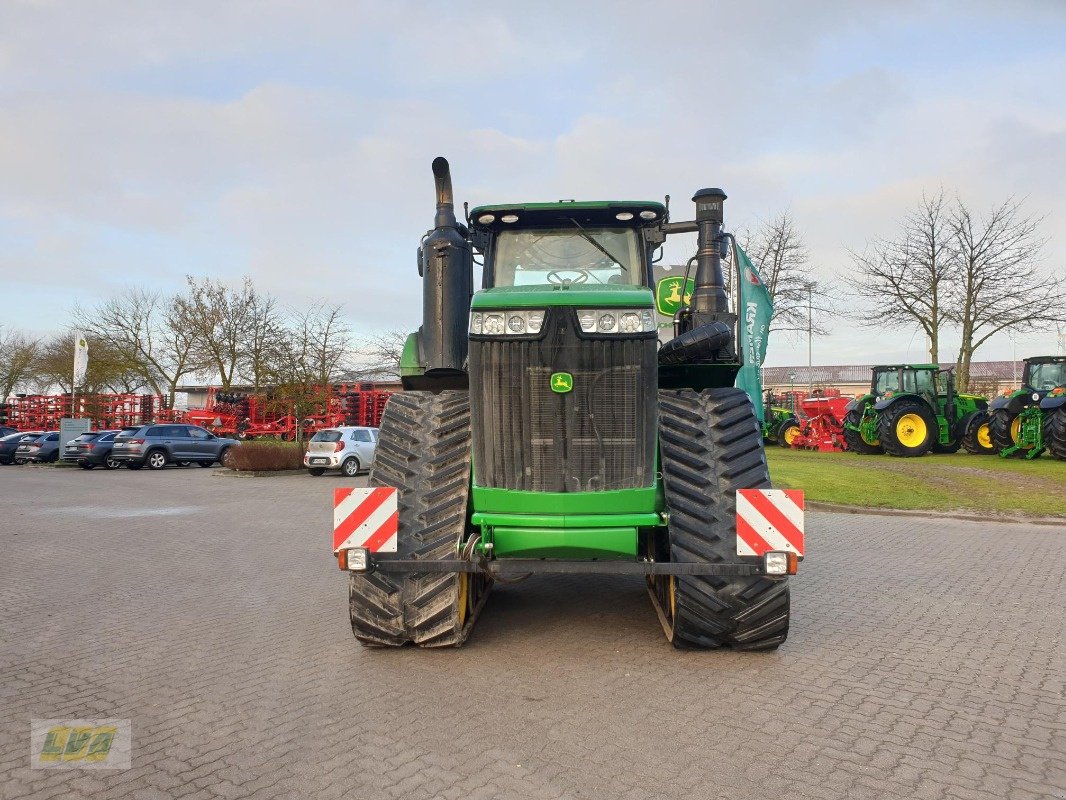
579 295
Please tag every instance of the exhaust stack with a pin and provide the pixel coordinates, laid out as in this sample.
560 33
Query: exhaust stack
447 273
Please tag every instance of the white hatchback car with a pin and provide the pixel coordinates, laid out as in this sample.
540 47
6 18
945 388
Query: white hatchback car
346 449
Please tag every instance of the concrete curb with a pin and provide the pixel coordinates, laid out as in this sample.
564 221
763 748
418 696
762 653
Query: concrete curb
835 508
252 473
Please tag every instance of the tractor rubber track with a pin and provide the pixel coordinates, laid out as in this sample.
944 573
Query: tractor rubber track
1055 432
711 445
854 440
424 450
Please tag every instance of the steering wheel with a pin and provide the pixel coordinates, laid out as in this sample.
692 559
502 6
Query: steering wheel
556 279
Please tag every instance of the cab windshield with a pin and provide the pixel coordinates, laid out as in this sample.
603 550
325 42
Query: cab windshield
1047 376
887 381
544 256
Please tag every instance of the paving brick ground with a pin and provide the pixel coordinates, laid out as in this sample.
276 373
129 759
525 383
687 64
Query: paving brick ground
925 661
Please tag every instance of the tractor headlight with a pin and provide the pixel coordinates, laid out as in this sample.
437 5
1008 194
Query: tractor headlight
1036 396
617 321
512 323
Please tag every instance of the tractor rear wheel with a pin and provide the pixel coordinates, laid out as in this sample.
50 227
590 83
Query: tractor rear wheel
1055 432
788 432
977 438
1004 428
907 428
855 441
711 445
424 451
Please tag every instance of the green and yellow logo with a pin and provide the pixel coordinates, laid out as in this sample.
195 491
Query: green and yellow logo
669 295
86 744
562 382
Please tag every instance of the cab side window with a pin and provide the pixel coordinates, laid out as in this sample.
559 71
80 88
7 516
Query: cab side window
361 436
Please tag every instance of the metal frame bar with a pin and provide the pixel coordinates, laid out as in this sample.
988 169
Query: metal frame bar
525 566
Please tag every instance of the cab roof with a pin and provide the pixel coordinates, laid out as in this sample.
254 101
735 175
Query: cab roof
595 212
886 367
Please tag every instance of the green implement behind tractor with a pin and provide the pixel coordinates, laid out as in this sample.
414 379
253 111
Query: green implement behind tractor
1026 422
544 430
912 409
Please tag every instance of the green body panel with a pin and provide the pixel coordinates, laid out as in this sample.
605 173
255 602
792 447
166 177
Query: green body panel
774 420
639 520
619 501
607 543
579 295
409 361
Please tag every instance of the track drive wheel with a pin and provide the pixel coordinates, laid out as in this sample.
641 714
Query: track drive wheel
907 428
711 445
1055 432
424 451
977 438
854 439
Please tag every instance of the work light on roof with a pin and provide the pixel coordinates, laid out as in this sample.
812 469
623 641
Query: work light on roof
625 216
486 219
509 218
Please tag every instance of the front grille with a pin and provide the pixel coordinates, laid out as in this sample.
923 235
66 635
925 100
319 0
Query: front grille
597 437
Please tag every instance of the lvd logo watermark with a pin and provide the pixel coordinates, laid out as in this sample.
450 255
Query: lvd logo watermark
80 743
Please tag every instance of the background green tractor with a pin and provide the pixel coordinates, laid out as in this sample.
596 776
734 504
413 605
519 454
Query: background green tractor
780 426
1032 419
544 430
914 408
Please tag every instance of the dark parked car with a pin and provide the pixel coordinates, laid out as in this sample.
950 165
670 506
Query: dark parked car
162 444
9 445
43 449
92 449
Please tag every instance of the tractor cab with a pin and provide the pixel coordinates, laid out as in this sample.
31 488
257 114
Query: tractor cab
1044 373
919 379
566 244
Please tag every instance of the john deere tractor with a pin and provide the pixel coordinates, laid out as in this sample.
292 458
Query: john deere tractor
914 408
780 425
1032 419
543 430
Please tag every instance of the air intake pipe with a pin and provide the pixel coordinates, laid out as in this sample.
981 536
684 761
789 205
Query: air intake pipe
447 267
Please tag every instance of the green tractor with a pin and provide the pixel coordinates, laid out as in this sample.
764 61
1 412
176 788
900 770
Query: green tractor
1032 419
544 430
780 426
912 409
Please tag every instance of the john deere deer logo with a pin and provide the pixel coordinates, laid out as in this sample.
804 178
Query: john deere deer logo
562 382
671 293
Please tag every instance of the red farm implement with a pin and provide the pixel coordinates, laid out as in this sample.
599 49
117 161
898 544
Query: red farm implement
822 424
44 411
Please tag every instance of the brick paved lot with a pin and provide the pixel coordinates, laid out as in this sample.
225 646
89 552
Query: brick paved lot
924 662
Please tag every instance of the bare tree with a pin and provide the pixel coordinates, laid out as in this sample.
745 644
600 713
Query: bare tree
382 354
18 352
147 330
1001 286
314 355
778 251
905 280
263 341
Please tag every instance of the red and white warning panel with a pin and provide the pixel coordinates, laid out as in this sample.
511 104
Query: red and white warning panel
769 519
365 518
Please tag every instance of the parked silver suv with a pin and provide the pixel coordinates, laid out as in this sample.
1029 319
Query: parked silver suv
347 449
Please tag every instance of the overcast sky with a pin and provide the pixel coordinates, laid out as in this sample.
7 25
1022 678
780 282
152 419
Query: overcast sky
141 141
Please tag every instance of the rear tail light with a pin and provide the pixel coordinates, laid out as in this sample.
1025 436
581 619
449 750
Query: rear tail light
338 447
86 447
134 441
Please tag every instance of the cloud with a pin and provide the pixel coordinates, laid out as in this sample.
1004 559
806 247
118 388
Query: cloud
293 143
